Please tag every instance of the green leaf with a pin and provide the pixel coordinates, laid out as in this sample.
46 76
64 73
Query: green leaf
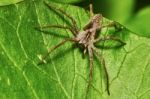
66 73
140 22
7 2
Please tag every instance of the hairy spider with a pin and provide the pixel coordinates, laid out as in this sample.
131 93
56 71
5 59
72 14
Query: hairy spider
87 38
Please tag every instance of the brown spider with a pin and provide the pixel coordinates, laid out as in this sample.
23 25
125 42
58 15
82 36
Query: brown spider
87 38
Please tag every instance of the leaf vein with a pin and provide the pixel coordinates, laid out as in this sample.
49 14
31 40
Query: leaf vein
142 79
16 66
59 82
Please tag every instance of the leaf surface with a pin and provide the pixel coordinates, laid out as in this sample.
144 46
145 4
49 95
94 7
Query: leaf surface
7 2
66 73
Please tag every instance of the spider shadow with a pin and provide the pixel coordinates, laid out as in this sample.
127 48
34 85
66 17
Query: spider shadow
51 33
115 47
110 45
65 52
60 15
101 70
61 54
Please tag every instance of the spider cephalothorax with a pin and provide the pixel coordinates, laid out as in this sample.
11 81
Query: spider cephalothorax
87 36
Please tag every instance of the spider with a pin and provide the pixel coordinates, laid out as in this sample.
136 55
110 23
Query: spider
86 38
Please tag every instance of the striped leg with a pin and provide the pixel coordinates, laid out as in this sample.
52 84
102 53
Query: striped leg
102 61
90 51
53 48
57 26
74 24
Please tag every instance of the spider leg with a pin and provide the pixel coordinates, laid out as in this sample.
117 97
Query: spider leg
90 51
67 15
56 26
113 24
91 9
102 61
111 38
89 24
53 48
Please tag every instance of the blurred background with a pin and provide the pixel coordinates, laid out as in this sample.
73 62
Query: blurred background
134 14
119 10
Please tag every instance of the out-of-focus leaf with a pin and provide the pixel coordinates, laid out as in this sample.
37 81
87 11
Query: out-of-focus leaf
119 10
140 23
7 2
66 73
